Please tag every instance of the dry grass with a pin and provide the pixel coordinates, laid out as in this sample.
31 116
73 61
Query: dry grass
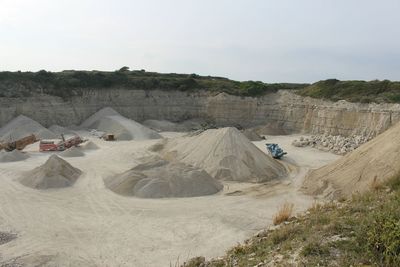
284 213
376 185
315 207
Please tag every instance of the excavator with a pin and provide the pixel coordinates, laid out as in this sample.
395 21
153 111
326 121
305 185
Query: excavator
275 151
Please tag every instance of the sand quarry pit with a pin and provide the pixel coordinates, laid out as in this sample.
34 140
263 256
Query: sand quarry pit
87 224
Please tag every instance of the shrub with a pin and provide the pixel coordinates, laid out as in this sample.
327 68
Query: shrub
284 213
314 248
383 239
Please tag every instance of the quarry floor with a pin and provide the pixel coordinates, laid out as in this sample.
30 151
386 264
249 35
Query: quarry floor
88 225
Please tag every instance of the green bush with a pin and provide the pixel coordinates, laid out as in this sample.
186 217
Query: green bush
383 238
354 91
314 249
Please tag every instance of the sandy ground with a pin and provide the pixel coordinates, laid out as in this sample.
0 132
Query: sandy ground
88 225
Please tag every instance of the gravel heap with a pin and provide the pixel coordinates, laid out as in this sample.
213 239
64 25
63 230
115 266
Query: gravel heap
226 154
55 173
158 178
12 156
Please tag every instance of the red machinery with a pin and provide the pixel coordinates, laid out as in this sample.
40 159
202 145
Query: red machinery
60 145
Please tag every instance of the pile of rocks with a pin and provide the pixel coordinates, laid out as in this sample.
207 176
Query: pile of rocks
337 144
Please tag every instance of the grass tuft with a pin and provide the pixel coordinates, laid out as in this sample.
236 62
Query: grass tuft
284 213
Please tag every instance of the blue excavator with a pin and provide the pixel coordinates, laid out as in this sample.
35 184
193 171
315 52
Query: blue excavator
275 151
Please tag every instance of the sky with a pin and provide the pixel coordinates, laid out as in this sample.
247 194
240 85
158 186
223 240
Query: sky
263 40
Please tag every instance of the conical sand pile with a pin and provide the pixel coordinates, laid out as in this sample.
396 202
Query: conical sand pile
160 179
72 152
93 121
356 171
54 173
163 126
57 129
252 135
110 121
23 126
12 156
225 154
90 146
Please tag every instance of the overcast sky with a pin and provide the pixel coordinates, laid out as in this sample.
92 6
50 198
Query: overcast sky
267 40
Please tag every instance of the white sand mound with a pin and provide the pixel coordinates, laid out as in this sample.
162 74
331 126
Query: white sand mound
72 152
57 129
54 173
160 179
23 126
90 146
226 154
121 127
163 126
252 135
356 171
14 155
92 121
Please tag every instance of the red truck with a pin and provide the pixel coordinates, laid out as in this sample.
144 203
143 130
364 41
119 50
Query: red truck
60 144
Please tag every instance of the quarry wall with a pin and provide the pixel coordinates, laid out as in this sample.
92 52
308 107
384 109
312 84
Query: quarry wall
281 112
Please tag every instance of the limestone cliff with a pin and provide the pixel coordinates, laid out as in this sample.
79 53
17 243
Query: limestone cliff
283 111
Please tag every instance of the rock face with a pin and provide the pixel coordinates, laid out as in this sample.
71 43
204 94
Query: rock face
373 162
282 112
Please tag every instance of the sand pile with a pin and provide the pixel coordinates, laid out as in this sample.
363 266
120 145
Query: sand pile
23 126
225 154
72 152
92 121
12 156
110 121
163 126
252 135
158 178
90 146
54 173
57 129
356 171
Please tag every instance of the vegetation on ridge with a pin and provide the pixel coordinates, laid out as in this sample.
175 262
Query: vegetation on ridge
362 231
354 91
70 83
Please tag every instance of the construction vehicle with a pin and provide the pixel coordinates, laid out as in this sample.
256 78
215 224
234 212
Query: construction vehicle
60 144
275 151
19 144
51 145
109 137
